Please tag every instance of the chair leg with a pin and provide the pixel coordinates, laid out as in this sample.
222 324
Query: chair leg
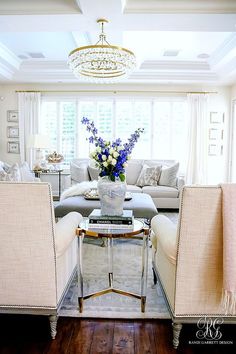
154 276
176 332
53 325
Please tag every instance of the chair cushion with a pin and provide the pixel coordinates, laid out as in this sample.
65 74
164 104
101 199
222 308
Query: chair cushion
161 191
149 176
168 176
165 232
65 231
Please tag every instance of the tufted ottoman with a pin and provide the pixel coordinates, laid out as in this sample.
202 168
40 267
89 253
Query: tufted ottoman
141 204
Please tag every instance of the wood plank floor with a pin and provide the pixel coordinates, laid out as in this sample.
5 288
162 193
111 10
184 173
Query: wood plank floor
30 335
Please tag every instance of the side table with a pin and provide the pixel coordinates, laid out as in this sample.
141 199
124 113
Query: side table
55 178
110 233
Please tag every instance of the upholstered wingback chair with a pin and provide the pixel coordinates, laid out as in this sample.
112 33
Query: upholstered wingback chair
37 255
187 258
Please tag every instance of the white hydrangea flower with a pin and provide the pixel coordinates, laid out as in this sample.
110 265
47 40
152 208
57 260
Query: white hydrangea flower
113 162
115 154
110 158
125 164
105 164
104 157
111 150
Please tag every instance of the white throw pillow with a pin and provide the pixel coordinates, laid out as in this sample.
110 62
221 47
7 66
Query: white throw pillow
93 173
79 171
168 176
149 176
26 174
12 174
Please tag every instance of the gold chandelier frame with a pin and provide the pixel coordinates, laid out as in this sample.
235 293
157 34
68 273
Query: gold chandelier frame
102 60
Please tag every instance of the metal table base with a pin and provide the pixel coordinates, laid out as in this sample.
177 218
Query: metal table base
82 231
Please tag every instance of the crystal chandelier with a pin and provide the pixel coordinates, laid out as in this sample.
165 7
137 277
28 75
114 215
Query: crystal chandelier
102 62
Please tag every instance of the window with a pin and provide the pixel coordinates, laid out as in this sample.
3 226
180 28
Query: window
164 121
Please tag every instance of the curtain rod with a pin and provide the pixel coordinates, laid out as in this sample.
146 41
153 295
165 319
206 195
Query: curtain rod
116 91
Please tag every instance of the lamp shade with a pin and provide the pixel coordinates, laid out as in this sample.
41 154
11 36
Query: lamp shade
39 141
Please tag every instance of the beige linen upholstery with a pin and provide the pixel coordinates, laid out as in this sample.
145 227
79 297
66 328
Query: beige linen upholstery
193 287
33 251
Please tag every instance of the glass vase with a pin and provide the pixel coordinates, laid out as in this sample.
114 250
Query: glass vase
112 196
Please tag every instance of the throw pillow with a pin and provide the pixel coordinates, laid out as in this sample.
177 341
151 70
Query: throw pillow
13 174
149 176
93 173
25 173
168 176
79 171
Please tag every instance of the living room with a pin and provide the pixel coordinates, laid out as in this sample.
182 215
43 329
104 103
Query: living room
185 63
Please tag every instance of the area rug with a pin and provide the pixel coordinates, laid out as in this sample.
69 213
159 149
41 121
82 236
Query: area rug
127 256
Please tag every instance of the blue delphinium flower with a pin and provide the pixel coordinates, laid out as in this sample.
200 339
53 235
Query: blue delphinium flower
111 157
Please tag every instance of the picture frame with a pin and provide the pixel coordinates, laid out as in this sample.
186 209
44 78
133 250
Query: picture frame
13 132
217 117
12 116
216 134
215 149
13 147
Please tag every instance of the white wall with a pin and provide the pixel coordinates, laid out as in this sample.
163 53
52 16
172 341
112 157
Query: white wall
217 102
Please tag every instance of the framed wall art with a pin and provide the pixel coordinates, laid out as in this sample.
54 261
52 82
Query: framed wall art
217 117
13 147
12 116
215 134
13 132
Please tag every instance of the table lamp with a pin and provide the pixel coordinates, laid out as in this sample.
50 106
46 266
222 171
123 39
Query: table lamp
39 142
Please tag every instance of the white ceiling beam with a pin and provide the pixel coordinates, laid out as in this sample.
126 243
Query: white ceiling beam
224 53
9 58
180 6
5 72
129 22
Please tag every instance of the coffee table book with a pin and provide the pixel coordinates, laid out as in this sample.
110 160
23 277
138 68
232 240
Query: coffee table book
122 221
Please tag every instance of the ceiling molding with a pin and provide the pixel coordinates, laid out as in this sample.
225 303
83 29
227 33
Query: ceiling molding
180 6
174 65
224 50
8 57
6 72
173 76
24 7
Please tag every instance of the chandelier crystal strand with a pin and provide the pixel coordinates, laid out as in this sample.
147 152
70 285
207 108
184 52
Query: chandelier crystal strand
102 62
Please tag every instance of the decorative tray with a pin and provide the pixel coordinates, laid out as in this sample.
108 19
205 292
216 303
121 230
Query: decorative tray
92 194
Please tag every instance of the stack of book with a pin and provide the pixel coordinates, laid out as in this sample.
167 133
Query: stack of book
124 221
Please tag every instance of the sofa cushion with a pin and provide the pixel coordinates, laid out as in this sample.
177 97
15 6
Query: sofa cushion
133 189
133 170
149 176
168 175
161 191
79 170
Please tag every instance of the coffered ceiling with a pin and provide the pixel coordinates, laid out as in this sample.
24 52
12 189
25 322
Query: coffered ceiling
175 41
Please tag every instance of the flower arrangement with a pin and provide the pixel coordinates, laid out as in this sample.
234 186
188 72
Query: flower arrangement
111 157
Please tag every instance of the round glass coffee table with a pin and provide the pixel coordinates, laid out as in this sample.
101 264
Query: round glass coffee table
110 233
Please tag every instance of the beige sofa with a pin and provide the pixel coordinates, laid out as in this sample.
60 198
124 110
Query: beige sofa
38 257
164 196
188 257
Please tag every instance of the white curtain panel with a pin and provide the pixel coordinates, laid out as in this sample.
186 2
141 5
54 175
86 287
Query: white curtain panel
29 113
197 139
